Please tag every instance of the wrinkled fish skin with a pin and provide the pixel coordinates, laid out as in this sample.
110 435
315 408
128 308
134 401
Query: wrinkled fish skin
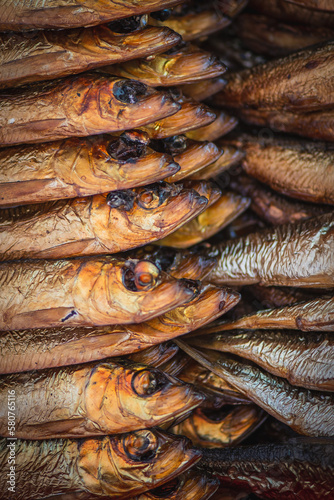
81 105
301 468
116 466
304 360
104 223
53 54
20 15
307 412
92 400
100 291
300 254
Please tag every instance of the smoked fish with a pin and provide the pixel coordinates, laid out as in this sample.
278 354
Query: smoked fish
300 82
86 292
231 8
323 5
313 315
226 426
81 105
307 412
222 125
300 468
104 223
200 91
117 466
304 360
45 55
42 14
79 167
300 254
230 157
41 348
93 399
180 65
274 296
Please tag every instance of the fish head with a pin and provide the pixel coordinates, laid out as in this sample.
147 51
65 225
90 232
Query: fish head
130 463
155 355
125 397
124 219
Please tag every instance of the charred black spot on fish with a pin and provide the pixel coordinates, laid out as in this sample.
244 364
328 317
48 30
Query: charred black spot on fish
173 145
147 382
70 315
167 489
121 199
312 64
129 279
161 15
193 285
126 25
126 150
176 49
129 91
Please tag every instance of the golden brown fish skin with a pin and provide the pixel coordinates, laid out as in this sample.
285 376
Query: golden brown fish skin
272 207
304 360
116 466
193 24
41 348
104 223
79 167
46 55
222 125
176 365
299 169
310 413
272 296
298 254
300 82
230 157
315 315
300 468
93 399
268 36
285 11
226 426
81 105
178 66
22 15
204 89
156 355
211 221
86 292
323 5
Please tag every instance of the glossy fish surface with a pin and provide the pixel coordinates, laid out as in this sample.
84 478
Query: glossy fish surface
222 125
79 106
20 15
307 412
79 167
304 360
86 292
46 55
300 254
204 89
116 466
230 157
94 399
105 223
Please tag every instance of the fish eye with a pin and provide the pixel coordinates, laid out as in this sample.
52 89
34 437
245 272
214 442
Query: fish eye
121 199
146 275
153 196
161 15
148 382
126 25
140 446
129 91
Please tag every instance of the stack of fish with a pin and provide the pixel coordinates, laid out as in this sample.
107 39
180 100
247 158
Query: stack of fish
107 159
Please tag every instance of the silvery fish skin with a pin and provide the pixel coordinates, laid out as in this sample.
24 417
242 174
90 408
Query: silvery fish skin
86 292
312 315
187 64
298 254
93 399
230 157
104 223
304 360
272 207
81 105
118 466
268 36
209 222
191 21
300 468
307 412
300 82
222 125
46 55
302 170
18 15
226 426
79 167
204 89
41 348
